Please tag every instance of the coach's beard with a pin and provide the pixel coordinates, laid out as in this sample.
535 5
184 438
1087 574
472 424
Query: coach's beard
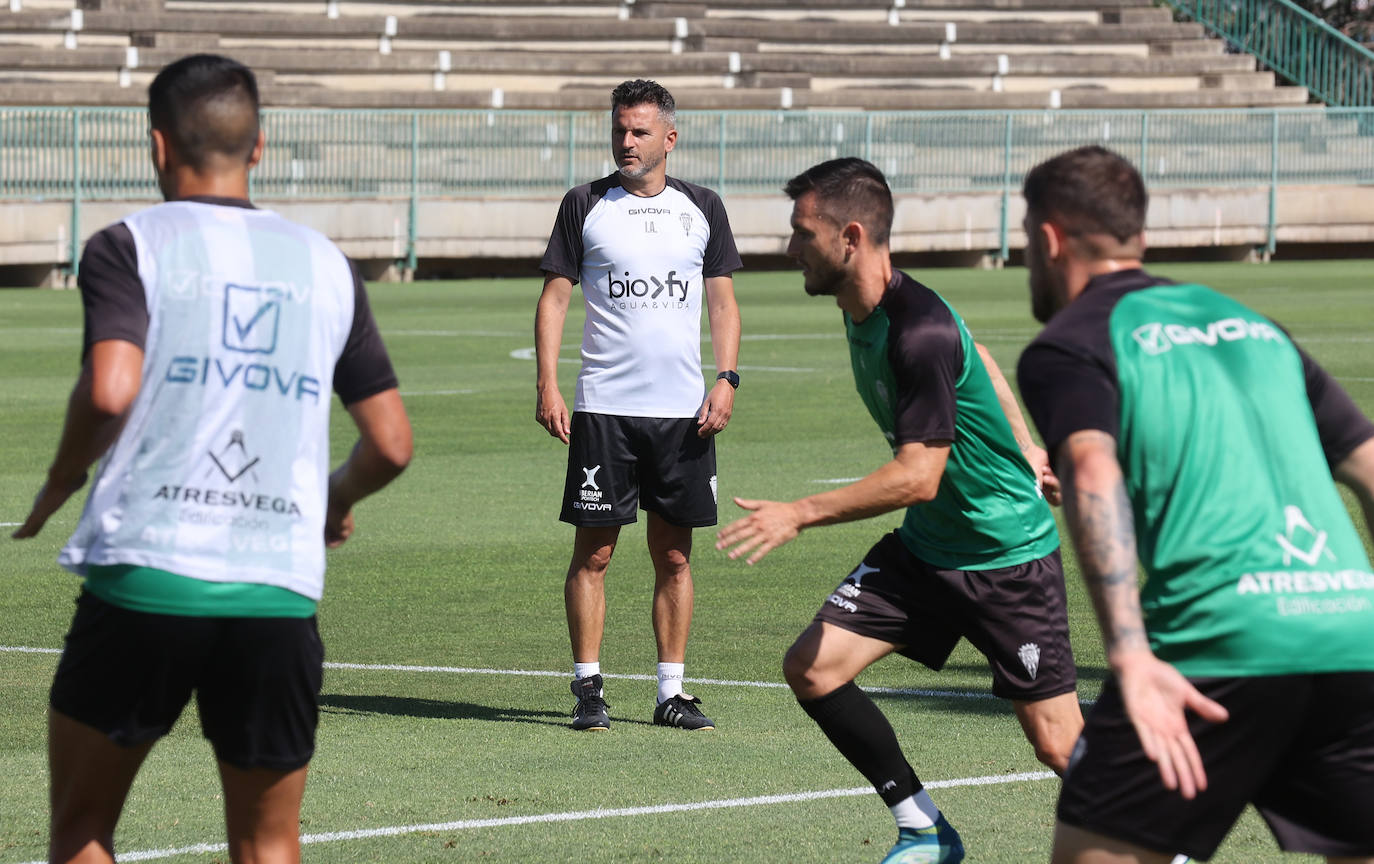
634 172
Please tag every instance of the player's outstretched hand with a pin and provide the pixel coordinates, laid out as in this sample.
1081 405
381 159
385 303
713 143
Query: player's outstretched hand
716 410
1156 697
772 524
551 412
1049 483
47 502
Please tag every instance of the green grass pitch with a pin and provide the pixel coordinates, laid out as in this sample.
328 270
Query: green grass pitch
460 563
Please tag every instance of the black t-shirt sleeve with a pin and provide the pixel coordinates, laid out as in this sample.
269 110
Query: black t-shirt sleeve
1066 392
1341 425
363 369
721 258
113 298
927 356
563 255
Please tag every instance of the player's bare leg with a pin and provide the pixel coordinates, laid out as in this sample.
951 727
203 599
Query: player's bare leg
1076 846
670 549
584 592
825 658
820 667
262 810
584 597
1052 726
90 776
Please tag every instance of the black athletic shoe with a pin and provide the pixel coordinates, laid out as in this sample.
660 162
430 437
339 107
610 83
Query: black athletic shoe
682 712
590 710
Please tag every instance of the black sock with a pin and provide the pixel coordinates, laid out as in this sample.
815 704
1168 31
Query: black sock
863 736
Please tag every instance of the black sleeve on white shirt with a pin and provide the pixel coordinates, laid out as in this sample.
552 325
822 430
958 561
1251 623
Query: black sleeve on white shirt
364 368
721 257
563 255
113 298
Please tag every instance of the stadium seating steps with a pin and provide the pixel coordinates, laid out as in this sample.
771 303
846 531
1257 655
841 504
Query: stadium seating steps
551 54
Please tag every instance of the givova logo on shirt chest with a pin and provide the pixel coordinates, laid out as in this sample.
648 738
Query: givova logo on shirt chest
650 288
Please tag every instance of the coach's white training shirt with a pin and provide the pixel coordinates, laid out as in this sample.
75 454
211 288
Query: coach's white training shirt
641 262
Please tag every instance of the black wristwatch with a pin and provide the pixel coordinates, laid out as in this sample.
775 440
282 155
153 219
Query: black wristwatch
731 377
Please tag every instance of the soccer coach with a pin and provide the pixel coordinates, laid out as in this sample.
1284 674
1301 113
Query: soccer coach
650 252
213 333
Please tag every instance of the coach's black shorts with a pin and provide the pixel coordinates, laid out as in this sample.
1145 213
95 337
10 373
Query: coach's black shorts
1017 616
658 464
257 680
1298 747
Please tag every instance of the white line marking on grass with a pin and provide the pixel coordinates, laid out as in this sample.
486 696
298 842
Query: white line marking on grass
544 673
1352 378
717 682
10 524
585 815
838 480
467 392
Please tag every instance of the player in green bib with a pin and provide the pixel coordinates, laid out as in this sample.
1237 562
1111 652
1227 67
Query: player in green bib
1192 432
977 555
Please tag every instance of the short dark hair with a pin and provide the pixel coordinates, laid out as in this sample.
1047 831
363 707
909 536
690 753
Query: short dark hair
1090 190
848 190
206 105
644 92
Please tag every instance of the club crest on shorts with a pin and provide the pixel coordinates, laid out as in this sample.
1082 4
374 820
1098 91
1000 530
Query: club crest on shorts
1030 657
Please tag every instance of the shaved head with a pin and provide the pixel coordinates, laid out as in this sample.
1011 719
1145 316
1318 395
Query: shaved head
206 106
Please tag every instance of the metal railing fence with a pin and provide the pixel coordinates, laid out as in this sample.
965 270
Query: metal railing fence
85 154
1294 43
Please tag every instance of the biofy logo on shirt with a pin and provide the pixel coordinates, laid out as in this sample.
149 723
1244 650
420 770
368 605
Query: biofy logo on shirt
652 288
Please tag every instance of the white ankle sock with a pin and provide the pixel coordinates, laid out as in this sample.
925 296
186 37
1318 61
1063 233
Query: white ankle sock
587 670
669 680
918 811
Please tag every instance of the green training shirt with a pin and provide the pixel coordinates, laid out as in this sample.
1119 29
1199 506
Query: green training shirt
919 373
1226 433
146 589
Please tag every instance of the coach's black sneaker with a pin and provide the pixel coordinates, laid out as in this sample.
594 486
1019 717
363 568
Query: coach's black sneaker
682 712
590 710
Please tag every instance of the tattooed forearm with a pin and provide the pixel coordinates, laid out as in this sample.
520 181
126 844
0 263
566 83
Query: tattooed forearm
1103 529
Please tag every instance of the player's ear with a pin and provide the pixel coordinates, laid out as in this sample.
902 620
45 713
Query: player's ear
1054 238
853 235
255 155
669 139
159 150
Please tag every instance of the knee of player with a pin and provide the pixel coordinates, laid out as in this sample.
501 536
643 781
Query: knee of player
592 566
800 674
1053 753
673 563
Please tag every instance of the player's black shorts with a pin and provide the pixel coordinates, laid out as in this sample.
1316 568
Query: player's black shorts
1298 747
1017 616
658 464
257 680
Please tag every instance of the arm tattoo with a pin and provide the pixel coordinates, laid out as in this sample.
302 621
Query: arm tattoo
1103 528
